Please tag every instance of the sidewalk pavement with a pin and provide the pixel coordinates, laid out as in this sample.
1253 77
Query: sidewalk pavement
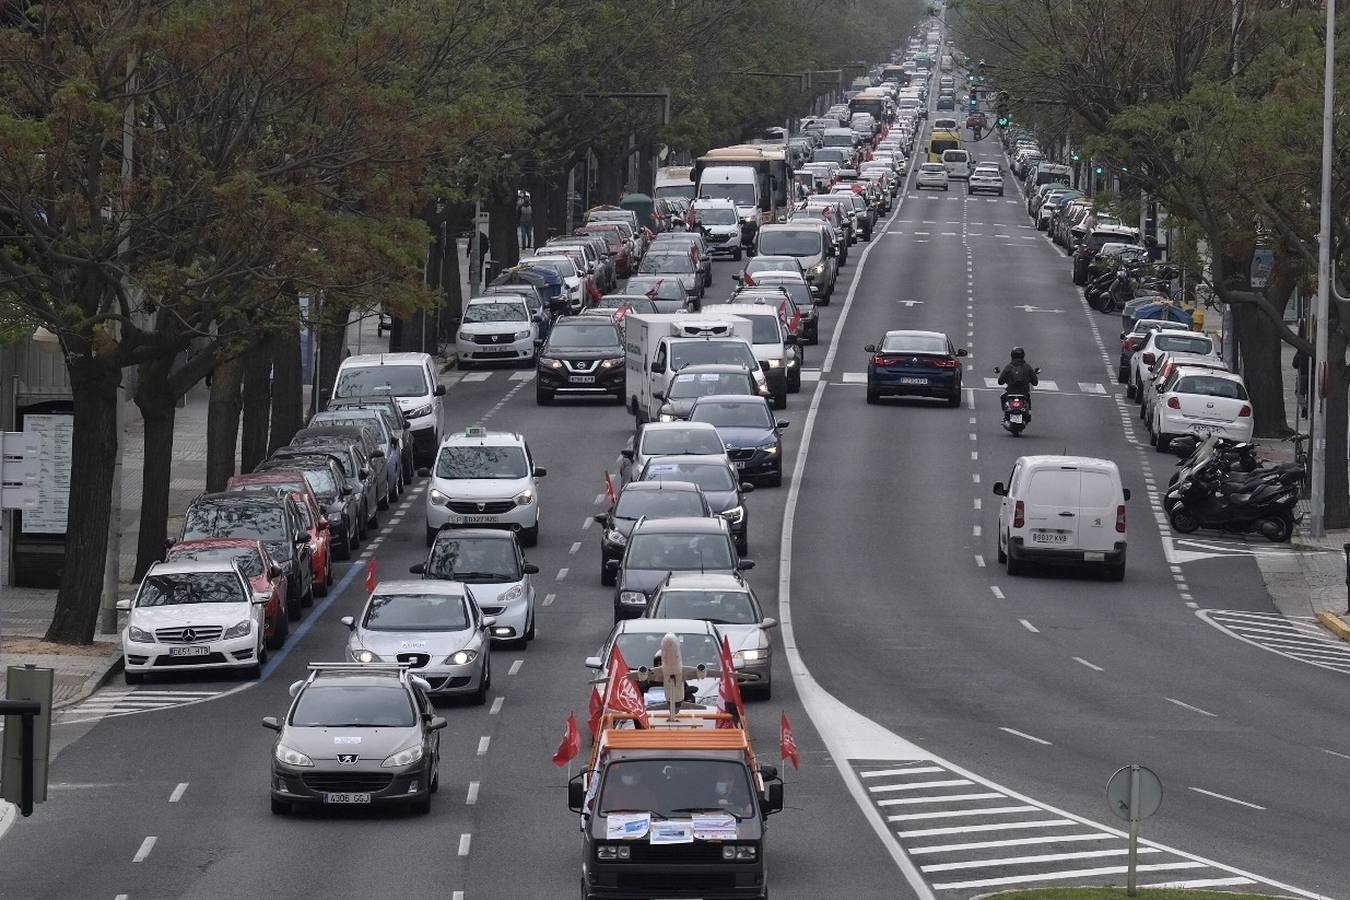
25 613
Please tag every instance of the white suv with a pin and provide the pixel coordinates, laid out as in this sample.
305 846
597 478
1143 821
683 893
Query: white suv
486 479
499 328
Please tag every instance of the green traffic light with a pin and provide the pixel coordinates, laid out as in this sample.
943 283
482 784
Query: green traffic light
1002 121
1075 157
1100 170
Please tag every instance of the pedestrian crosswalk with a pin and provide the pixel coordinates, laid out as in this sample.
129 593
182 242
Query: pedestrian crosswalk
110 702
1299 639
968 837
476 376
1047 386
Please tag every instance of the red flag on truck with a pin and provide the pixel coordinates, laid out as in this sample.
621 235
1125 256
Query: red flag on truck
621 693
597 709
571 742
787 744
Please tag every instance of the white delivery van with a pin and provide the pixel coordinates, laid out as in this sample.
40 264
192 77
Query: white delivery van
674 181
1062 510
957 163
658 345
739 184
771 344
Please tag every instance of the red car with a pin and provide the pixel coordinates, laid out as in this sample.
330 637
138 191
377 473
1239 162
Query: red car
618 245
263 573
293 482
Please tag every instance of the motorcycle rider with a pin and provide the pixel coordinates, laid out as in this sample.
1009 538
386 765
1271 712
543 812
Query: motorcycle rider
1018 377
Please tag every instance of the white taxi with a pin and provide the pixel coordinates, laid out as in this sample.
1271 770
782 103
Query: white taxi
484 479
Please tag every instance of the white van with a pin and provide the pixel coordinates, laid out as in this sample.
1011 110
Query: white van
739 184
1062 510
409 378
957 163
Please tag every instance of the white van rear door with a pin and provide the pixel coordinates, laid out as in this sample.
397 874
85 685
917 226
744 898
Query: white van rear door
1052 508
1098 497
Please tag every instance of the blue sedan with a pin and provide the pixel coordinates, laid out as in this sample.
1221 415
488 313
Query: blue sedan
915 364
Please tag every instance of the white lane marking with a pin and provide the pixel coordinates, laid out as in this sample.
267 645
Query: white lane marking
1091 387
146 846
913 770
1065 875
1334 753
120 897
996 591
919 785
979 560
1191 708
1030 737
1226 797
940 798
1203 883
178 792
523 376
475 376
464 841
600 498
515 667
483 743
854 378
962 813
496 706
1030 860
979 504
576 545
1013 842
586 523
995 826
1081 661
975 530
975 477
562 573
549 598
457 895
1029 627
472 797
974 455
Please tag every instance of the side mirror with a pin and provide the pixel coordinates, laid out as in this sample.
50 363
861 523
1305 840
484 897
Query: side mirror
744 565
437 723
768 772
576 795
870 348
626 454
424 472
364 473
301 537
273 570
439 392
593 662
656 367
323 523
781 424
418 568
540 471
1126 493
768 622
168 542
612 565
377 453
747 487
1000 490
531 569
773 798
124 605
349 622
962 351
600 519
271 722
658 395
997 370
489 621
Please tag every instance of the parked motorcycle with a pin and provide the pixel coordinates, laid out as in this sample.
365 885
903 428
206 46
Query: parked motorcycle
1255 506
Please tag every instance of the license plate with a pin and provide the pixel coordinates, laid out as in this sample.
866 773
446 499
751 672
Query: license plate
1049 537
582 379
189 651
1094 557
740 464
473 520
1015 418
1202 430
913 380
346 798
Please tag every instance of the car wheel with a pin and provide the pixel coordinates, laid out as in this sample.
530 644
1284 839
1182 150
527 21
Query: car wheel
293 606
1002 556
529 629
134 677
955 399
373 523
1123 376
344 549
737 255
530 536
1161 441
363 526
607 578
776 479
873 396
1016 567
431 536
742 545
383 503
307 598
436 778
328 578
762 691
544 398
479 697
280 633
280 807
1129 387
1115 572
321 587
795 384
780 400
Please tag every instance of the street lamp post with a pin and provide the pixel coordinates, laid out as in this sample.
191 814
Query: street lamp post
1321 315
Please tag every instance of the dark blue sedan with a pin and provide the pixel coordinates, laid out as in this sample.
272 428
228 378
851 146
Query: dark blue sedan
914 364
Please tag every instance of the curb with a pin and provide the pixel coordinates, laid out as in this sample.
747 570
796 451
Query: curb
91 684
9 814
1335 624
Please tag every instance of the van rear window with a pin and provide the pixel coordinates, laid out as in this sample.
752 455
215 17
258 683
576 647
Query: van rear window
1097 490
1054 487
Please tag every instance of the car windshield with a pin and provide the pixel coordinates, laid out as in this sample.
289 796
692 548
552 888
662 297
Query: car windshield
680 440
272 487
373 422
797 290
739 193
416 612
480 558
710 476
561 265
717 215
765 329
731 414
390 380
235 520
773 265
495 312
666 263
1183 343
1211 386
250 563
658 505
701 353
674 786
914 343
790 242
600 336
701 384
719 607
481 462
321 482
353 706
191 587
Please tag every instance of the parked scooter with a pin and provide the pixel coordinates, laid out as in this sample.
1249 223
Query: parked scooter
1016 409
1256 506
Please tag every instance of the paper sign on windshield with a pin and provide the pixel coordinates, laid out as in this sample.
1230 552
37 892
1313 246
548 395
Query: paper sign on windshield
627 826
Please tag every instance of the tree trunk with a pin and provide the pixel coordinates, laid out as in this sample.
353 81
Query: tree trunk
93 384
157 402
1337 483
332 350
451 306
1259 348
288 394
222 422
502 227
256 403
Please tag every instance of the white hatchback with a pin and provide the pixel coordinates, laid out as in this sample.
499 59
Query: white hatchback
931 175
1202 402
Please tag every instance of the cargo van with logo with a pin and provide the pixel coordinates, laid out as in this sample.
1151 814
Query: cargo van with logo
1062 510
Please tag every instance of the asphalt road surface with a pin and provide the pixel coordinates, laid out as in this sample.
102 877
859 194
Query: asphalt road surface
957 726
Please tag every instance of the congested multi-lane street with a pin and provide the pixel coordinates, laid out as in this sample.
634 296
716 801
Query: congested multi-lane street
957 726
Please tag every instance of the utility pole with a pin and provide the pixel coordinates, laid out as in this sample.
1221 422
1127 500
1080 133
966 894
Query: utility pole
1321 316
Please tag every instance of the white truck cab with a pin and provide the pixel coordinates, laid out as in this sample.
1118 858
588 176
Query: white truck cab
660 344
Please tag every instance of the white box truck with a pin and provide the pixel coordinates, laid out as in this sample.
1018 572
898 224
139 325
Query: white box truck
660 344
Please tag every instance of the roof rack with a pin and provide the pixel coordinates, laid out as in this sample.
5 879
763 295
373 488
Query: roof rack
358 667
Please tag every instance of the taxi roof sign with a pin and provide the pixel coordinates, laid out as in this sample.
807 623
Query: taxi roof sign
475 431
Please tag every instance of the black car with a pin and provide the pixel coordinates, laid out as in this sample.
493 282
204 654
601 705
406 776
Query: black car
274 520
657 547
720 483
354 468
583 357
693 382
396 422
753 437
341 504
644 499
369 442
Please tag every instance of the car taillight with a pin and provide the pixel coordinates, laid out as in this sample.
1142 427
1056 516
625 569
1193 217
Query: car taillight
1120 518
1149 358
1129 346
945 363
885 360
1173 403
1244 412
1019 514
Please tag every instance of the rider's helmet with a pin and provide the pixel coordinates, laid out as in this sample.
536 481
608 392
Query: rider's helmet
1018 353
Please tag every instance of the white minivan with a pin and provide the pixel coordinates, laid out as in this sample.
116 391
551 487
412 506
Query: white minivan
1063 510
957 163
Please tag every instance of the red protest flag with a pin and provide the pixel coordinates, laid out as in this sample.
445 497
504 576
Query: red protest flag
597 709
728 687
371 581
610 493
571 743
787 744
621 693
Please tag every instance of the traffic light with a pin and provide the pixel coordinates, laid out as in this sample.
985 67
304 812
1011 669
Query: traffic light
1099 170
1075 157
1001 107
974 101
982 75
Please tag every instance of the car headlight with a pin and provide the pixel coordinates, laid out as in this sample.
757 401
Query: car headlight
616 537
667 417
611 363
140 635
632 598
238 630
418 412
462 336
524 498
365 656
403 758
550 363
520 335
262 598
739 852
461 657
611 852
734 515
512 595
818 269
749 655
436 498
771 449
291 757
